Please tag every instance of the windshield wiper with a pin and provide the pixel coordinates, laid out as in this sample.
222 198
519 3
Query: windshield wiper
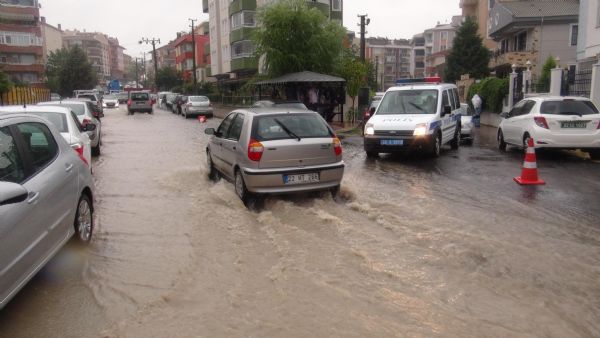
417 106
289 132
571 113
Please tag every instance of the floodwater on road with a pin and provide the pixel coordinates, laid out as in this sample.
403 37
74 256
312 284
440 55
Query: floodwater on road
416 247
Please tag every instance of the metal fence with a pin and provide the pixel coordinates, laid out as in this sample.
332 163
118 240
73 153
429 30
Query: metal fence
24 95
579 84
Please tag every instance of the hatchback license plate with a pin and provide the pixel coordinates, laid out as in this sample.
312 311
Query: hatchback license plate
573 124
391 142
301 178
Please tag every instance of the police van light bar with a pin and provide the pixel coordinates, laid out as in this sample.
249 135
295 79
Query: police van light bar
431 79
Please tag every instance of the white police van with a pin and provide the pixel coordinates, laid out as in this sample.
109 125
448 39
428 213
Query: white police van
420 114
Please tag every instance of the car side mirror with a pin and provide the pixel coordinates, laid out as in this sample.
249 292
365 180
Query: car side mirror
11 193
447 110
90 127
210 131
372 110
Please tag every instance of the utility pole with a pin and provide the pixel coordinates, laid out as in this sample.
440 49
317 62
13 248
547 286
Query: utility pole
137 76
153 42
194 54
364 21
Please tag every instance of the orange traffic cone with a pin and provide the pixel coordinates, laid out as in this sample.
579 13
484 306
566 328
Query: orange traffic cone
202 118
529 174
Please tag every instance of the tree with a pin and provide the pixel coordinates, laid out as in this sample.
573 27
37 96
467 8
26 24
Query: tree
550 64
5 83
167 78
355 72
69 69
468 55
293 37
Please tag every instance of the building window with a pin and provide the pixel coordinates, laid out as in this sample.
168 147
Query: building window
574 33
491 4
19 39
503 46
336 5
243 19
242 49
521 42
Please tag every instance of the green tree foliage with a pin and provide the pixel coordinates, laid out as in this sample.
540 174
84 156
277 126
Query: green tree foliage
167 78
69 69
5 83
468 55
550 64
293 37
492 91
354 71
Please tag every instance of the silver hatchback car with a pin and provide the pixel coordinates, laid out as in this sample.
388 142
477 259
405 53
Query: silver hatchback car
46 196
275 150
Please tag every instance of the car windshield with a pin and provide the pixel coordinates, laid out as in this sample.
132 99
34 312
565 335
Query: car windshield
86 96
413 101
77 108
139 96
198 99
273 127
568 107
57 119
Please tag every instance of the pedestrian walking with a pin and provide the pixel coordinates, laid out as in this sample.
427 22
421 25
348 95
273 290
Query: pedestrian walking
477 103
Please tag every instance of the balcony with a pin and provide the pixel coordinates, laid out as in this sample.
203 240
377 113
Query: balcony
514 57
20 68
241 5
244 63
205 6
37 50
239 34
206 49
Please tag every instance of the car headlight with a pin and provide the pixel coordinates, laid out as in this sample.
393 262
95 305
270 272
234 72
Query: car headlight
369 130
420 129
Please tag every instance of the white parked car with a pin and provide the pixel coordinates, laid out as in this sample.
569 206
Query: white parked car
110 101
67 124
553 122
466 123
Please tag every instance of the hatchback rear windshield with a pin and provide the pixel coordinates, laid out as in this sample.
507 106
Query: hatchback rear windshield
414 101
139 96
77 108
273 127
198 98
57 119
568 107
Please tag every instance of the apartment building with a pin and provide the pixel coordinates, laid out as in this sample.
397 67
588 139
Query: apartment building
165 55
588 41
417 60
532 31
96 46
438 44
480 10
184 53
392 59
231 23
21 43
116 61
52 38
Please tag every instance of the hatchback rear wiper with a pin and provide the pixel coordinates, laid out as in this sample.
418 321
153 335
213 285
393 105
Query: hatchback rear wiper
289 132
571 113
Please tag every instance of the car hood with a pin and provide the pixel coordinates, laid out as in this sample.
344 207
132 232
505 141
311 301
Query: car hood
399 122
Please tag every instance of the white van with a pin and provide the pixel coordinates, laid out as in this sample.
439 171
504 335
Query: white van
421 116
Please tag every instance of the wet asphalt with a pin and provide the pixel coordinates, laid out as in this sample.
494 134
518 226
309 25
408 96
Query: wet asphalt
416 247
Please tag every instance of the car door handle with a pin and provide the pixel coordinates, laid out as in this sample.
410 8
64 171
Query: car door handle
68 167
33 197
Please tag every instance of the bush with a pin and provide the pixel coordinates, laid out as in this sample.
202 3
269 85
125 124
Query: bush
492 91
544 84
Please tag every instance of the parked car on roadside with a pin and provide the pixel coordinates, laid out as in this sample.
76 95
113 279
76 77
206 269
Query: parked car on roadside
170 98
466 123
84 110
197 105
178 103
139 101
122 97
67 124
557 122
46 196
415 116
372 107
275 151
54 97
94 97
110 101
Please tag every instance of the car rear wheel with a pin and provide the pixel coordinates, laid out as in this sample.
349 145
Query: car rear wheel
455 143
84 219
437 145
501 142
240 188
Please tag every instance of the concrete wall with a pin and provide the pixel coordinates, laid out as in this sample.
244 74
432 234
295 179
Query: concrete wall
52 39
588 43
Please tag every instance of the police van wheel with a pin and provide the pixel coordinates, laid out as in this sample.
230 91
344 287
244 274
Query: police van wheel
436 146
455 143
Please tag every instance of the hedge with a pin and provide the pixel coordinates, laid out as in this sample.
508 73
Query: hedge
492 91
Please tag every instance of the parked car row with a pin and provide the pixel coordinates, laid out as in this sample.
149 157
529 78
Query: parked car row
46 190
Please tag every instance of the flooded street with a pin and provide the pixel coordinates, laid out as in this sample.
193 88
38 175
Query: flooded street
417 247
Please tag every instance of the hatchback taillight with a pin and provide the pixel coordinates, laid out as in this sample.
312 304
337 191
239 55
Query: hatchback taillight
541 122
85 122
337 146
598 125
78 147
255 150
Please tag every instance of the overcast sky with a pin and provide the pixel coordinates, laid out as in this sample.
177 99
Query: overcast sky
130 20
